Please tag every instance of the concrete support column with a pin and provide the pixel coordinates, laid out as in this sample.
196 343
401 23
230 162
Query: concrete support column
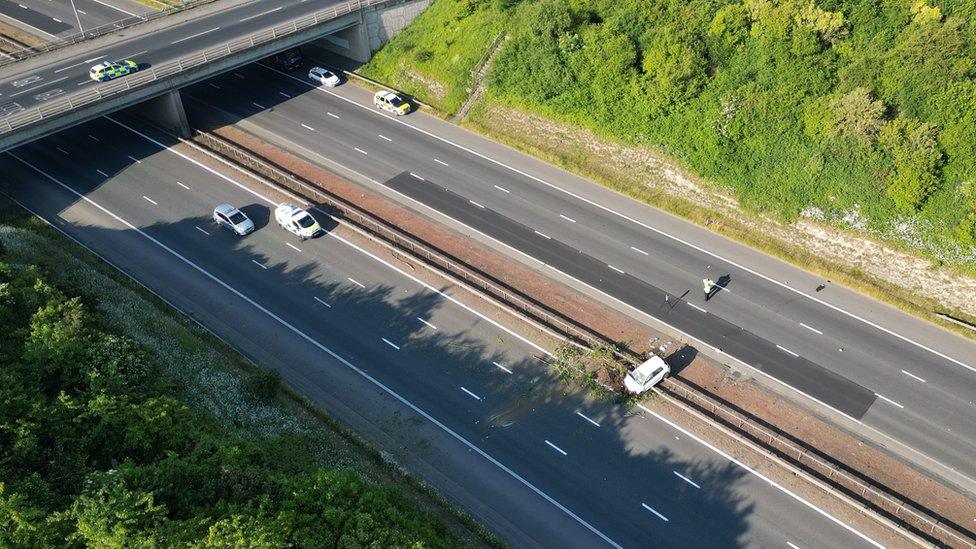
352 43
166 111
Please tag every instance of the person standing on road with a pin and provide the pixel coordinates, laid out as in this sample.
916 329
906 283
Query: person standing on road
708 286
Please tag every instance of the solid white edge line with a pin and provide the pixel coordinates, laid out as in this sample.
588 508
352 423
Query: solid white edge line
886 399
635 221
909 374
502 367
474 396
686 479
322 302
329 351
785 350
557 448
651 509
390 343
584 416
768 480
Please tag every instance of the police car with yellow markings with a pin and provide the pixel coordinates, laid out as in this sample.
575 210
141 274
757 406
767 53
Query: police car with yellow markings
108 70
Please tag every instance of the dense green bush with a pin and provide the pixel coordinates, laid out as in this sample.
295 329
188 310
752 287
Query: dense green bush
794 105
96 449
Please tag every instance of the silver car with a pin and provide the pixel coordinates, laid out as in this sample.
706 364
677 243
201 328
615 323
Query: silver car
230 217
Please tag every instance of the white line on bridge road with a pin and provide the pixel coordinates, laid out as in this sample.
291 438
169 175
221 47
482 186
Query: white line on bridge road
690 304
811 329
332 115
194 35
659 515
616 269
258 264
390 343
476 204
638 250
214 86
909 374
417 176
582 415
502 189
100 172
309 128
882 397
474 396
93 138
570 219
241 76
322 302
686 479
258 105
360 150
557 448
502 367
284 95
134 159
427 323
357 283
182 185
41 85
791 545
201 230
381 136
92 60
62 150
294 247
440 162
256 15
785 350
543 235
150 200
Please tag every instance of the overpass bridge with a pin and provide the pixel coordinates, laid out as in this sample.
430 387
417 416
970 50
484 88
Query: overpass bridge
51 92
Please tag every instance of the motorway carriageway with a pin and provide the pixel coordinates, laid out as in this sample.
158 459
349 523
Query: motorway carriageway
350 330
24 85
834 347
56 18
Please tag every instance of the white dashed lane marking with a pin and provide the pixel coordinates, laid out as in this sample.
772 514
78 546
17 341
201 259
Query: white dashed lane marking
427 323
390 343
911 375
686 479
616 269
502 367
785 350
258 105
283 94
309 128
651 509
502 189
811 329
543 235
322 302
360 150
294 247
383 137
100 172
357 283
150 200
62 150
332 115
472 395
201 230
258 264
557 448
638 250
417 176
571 220
476 204
582 415
134 159
886 399
440 162
182 185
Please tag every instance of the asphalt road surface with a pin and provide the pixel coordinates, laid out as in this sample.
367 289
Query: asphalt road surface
23 85
56 18
897 380
379 348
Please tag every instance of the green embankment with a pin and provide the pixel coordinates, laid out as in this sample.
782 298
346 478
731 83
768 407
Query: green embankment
860 113
123 424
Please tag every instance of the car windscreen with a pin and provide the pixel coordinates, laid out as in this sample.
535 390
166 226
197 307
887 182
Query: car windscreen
237 217
644 377
305 221
395 101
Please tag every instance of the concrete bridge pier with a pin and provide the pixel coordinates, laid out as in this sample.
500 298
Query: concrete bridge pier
166 111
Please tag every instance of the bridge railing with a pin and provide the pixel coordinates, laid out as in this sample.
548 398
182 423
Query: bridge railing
60 106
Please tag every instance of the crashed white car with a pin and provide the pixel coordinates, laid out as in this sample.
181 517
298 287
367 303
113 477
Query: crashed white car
296 220
324 77
645 376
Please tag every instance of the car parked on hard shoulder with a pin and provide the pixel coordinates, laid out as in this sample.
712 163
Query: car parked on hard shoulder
324 77
297 221
647 375
107 70
231 218
390 101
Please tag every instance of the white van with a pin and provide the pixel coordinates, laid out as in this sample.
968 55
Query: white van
646 375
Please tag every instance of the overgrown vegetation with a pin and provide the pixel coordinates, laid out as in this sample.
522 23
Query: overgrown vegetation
860 113
121 425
